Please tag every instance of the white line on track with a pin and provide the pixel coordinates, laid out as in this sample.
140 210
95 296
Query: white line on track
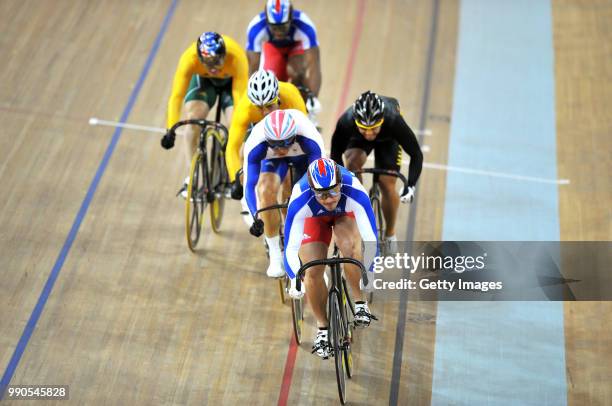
97 121
429 165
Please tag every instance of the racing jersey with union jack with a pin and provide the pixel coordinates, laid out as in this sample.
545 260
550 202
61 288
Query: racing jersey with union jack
308 143
302 29
303 204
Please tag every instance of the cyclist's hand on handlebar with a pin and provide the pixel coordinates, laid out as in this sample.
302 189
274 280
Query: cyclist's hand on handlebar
293 292
167 141
257 228
236 189
407 195
313 106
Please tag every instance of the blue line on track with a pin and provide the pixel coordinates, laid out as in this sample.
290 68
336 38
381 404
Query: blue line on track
44 295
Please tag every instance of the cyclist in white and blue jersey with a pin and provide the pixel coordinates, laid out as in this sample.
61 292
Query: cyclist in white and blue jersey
282 137
284 40
329 197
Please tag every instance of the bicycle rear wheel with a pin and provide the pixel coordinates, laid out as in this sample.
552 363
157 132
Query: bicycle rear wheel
196 200
217 171
337 343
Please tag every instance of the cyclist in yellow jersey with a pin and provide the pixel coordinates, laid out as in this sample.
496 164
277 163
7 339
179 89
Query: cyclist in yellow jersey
213 65
264 95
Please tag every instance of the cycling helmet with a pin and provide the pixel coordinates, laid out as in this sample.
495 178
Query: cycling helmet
262 89
211 49
280 129
278 12
368 110
323 174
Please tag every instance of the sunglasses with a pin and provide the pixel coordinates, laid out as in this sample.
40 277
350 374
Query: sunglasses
325 194
213 62
282 143
370 127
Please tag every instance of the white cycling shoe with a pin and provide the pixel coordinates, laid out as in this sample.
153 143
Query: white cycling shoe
321 344
363 316
276 269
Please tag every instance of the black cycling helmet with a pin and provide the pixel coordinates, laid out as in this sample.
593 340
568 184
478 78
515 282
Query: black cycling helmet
368 109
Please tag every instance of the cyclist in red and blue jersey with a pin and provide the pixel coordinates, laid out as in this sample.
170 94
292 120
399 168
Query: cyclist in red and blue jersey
329 198
284 40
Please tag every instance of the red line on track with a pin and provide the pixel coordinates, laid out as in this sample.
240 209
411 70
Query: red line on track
292 353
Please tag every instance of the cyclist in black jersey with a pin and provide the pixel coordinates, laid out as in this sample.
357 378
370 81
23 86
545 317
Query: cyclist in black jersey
374 122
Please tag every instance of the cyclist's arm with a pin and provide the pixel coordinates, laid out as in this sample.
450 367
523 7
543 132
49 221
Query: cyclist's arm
339 142
406 138
359 203
253 58
238 128
253 156
297 212
306 32
182 76
256 36
313 70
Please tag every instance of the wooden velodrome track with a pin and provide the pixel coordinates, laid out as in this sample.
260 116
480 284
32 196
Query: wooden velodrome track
132 317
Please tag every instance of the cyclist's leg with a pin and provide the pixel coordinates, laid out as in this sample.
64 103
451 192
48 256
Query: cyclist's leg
268 186
197 105
274 59
267 194
389 156
356 154
348 239
317 236
227 102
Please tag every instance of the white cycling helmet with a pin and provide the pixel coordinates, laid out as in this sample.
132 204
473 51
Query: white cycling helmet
262 88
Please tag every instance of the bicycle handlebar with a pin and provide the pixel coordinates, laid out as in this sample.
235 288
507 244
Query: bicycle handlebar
389 172
272 207
330 261
202 123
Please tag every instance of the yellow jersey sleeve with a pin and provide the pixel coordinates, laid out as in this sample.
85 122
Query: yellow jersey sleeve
187 66
246 113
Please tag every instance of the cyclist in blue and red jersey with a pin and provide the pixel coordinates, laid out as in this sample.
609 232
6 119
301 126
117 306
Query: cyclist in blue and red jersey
329 198
284 40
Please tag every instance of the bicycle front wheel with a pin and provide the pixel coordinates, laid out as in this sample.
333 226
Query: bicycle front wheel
349 311
196 200
380 225
297 313
337 343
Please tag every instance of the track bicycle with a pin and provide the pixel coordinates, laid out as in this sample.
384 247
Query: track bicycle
375 194
341 314
208 178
